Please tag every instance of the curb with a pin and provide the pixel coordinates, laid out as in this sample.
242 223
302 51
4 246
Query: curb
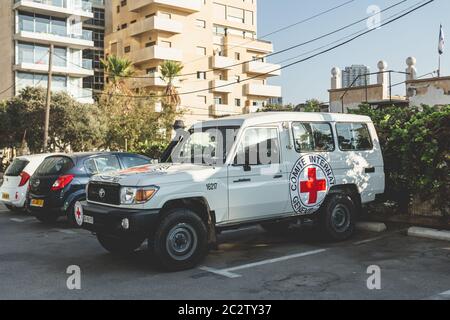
371 226
429 233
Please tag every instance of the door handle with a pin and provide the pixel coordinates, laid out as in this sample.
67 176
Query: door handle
278 176
370 170
242 180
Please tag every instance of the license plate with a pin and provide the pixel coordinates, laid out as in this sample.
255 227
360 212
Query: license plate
88 220
37 203
5 196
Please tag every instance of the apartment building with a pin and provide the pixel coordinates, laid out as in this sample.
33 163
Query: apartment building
211 38
356 75
97 26
27 30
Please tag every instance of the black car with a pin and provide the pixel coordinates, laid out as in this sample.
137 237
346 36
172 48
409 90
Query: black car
60 181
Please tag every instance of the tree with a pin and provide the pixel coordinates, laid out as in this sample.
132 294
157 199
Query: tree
118 70
312 105
71 123
169 71
277 108
415 143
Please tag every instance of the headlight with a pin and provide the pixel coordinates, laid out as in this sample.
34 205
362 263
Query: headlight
129 195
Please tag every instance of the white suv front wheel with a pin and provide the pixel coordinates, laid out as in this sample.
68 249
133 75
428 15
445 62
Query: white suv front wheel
180 241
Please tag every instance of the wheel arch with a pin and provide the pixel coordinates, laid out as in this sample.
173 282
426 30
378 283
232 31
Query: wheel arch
200 206
349 189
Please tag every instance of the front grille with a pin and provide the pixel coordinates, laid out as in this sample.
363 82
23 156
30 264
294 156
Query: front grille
107 193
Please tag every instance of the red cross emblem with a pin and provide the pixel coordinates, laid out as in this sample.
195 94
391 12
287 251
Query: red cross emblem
313 186
78 213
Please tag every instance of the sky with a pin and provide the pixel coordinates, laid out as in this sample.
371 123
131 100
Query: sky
414 35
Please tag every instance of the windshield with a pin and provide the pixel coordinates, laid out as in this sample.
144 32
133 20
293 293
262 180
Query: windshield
205 146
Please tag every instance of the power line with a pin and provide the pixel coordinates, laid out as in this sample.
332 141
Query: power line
281 51
317 15
277 52
302 60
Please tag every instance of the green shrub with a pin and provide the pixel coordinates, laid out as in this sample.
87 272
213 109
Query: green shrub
416 150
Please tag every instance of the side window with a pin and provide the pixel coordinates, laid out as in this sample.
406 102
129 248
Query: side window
102 164
259 146
354 137
313 137
133 161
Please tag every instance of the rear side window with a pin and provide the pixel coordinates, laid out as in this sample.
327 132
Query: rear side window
16 168
55 166
313 137
133 161
354 137
102 164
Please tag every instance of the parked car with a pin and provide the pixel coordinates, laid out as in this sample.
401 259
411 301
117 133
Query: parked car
273 169
13 191
60 181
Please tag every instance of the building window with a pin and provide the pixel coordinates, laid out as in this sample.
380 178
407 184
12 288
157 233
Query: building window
237 102
202 99
201 75
201 51
200 23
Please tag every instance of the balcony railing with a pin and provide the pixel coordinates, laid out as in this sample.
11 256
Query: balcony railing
79 5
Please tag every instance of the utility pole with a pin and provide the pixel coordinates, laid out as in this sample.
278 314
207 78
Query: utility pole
49 97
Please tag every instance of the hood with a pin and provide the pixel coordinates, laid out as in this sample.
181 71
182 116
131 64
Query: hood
155 174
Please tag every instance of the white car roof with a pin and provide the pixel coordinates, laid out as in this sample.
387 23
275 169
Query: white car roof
271 117
36 156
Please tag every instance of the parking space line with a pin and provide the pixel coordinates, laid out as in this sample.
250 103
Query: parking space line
223 273
20 220
70 232
441 296
386 235
228 272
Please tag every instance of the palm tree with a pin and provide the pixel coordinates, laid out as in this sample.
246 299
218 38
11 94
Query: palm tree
118 70
169 71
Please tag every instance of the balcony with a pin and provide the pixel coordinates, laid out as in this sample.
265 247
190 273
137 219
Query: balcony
258 67
155 53
150 80
189 6
219 62
156 23
223 110
261 90
70 69
57 8
81 41
221 86
250 44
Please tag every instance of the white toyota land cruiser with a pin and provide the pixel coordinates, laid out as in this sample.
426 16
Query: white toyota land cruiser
272 169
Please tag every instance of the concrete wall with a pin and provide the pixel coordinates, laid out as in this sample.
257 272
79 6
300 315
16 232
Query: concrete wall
355 96
433 91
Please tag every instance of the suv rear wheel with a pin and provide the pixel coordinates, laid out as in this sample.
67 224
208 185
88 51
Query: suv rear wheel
180 241
338 217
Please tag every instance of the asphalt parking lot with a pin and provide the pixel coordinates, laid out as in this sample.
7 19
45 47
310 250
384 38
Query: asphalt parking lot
249 264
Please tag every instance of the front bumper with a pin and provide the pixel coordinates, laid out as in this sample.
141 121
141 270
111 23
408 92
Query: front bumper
108 220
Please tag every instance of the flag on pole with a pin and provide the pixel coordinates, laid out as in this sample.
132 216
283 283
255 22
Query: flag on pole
441 41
